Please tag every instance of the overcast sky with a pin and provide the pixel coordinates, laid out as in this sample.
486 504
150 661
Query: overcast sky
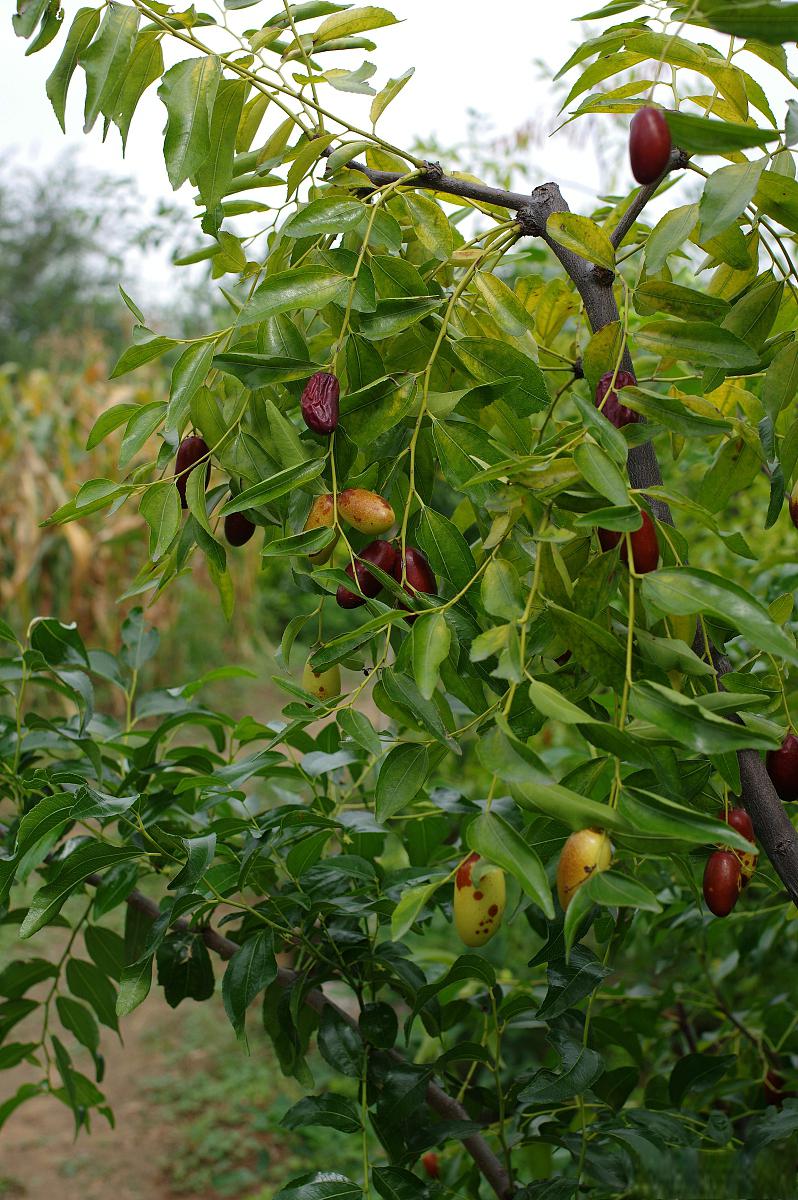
467 55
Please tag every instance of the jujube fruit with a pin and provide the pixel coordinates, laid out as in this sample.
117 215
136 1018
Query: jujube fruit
322 515
320 402
649 144
238 529
645 547
419 576
585 851
431 1164
478 903
190 451
782 767
322 684
739 819
607 398
365 511
383 555
722 882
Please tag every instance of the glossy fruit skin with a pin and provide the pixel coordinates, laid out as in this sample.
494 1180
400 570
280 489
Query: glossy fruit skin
645 547
365 511
586 851
383 555
649 144
322 684
607 399
419 576
431 1164
782 765
322 515
320 403
190 451
478 906
238 529
739 819
794 505
722 882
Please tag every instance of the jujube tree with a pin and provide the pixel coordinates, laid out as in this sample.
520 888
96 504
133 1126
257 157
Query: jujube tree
480 456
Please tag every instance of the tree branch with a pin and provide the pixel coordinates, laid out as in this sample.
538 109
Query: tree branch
438 1100
771 823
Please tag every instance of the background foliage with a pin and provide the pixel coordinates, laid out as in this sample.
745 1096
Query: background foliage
636 1046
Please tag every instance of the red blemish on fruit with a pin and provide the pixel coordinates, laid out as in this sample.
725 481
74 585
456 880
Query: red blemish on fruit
494 908
477 895
463 877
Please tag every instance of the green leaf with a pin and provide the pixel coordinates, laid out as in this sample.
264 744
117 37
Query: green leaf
671 232
770 21
287 291
134 986
276 486
567 806
548 701
142 352
81 32
353 20
583 236
705 135
160 508
431 639
687 303
188 90
727 193
104 61
677 718
503 305
444 545
412 902
501 590
78 1020
200 851
698 1072
216 172
329 214
85 860
340 1043
108 421
144 68
388 94
251 969
655 819
89 983
496 840
188 376
184 969
601 473
334 1112
699 343
402 776
688 590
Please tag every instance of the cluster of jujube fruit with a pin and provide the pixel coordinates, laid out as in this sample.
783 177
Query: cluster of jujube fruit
728 871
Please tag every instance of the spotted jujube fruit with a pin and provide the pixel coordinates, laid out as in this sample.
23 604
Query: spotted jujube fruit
322 684
586 851
607 398
322 516
383 555
479 901
192 450
649 144
367 512
320 402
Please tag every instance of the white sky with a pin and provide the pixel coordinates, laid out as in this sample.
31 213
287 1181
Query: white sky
467 55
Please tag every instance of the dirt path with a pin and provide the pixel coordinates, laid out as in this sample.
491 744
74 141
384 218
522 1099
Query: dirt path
39 1157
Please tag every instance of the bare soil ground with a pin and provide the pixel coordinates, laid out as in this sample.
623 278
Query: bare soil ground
40 1158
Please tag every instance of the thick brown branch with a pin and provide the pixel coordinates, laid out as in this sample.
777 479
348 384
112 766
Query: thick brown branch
434 179
772 826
